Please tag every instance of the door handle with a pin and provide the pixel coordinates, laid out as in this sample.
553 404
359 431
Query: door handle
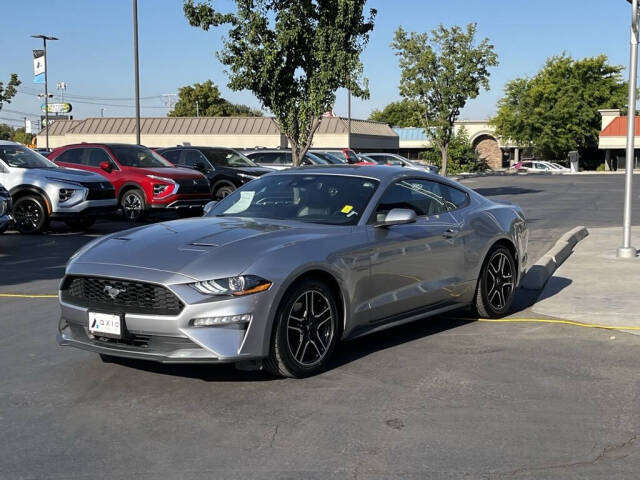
451 233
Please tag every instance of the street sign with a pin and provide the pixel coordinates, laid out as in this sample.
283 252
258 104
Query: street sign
56 107
53 118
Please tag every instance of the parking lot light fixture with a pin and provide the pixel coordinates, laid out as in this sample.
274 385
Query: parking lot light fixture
626 250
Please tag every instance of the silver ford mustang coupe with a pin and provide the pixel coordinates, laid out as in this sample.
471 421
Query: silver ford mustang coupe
278 272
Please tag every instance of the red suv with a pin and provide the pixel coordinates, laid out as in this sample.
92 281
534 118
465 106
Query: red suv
143 179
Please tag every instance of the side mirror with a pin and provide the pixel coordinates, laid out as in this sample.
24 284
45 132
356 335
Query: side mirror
398 216
106 166
208 207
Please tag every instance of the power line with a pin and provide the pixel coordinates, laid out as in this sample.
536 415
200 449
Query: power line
102 103
31 91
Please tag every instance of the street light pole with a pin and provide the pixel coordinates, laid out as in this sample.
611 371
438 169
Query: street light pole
137 71
626 250
46 85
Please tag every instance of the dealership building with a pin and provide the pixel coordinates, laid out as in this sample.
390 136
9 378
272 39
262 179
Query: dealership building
232 132
613 139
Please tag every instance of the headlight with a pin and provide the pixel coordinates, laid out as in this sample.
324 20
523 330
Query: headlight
65 194
246 176
237 286
162 179
158 189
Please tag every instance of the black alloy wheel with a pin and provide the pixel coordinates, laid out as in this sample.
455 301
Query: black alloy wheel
133 205
306 331
30 215
496 288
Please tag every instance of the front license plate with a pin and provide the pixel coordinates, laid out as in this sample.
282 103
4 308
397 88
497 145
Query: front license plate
104 324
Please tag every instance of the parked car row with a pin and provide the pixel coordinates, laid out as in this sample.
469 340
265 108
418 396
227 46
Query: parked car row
540 166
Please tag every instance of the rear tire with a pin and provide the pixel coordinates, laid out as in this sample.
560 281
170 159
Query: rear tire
133 205
80 224
30 215
305 332
222 190
496 285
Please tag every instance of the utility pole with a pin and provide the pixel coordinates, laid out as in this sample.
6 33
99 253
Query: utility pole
101 112
168 98
46 87
136 68
197 109
626 250
349 118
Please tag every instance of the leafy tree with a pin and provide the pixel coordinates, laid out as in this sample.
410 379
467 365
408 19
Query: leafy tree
461 156
21 136
6 132
293 55
442 72
209 103
556 110
405 113
8 92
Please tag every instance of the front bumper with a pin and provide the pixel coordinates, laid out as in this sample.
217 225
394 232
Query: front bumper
171 339
87 207
181 201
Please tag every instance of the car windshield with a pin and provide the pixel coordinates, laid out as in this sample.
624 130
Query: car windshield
137 156
222 157
327 199
19 156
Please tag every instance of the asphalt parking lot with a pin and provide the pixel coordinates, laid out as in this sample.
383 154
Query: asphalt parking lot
443 398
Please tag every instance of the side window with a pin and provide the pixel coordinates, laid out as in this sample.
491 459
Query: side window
455 198
192 157
73 155
172 155
262 157
422 196
95 156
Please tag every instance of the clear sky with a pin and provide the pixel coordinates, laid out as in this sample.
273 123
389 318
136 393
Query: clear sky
94 54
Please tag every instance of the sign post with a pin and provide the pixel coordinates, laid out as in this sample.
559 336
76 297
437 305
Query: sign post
40 67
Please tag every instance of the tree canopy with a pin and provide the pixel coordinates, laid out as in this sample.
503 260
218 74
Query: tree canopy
204 99
461 156
405 113
556 110
442 71
8 92
293 55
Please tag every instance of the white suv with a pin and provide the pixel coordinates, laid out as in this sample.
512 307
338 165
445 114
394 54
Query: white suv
42 191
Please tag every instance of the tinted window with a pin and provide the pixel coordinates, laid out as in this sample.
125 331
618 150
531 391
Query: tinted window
172 155
330 199
455 198
73 155
223 157
138 156
95 156
193 157
422 196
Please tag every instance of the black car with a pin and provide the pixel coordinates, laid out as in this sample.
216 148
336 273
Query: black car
225 168
5 209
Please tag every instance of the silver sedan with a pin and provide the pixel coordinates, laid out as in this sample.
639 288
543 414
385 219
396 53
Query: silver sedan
282 269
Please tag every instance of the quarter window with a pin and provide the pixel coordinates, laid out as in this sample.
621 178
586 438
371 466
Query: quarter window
455 198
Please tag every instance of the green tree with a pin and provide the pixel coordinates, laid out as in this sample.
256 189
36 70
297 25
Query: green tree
442 72
556 110
21 136
293 55
6 132
405 113
204 99
8 92
461 156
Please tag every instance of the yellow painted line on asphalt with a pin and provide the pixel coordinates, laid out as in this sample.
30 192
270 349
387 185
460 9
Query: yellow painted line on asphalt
559 321
22 295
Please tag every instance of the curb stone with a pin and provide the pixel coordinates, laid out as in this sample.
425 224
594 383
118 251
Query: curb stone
538 274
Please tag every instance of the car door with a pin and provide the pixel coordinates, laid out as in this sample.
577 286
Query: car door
415 267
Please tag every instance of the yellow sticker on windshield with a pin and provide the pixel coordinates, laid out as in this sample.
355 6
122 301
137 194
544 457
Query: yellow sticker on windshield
346 209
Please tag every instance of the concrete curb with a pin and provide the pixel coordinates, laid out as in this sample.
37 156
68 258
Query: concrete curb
543 269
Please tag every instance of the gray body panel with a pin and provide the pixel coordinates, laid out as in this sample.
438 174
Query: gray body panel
386 276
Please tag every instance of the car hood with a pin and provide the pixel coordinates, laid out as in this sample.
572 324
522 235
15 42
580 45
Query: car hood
62 173
170 172
200 248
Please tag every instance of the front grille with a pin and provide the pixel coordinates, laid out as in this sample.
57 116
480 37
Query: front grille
100 190
133 297
193 185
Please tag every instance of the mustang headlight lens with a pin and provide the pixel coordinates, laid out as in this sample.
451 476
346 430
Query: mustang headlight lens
237 286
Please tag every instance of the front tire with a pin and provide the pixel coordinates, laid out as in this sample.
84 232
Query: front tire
305 332
222 190
30 215
133 205
496 285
